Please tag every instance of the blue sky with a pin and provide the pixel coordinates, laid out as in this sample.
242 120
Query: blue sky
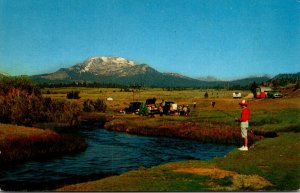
222 38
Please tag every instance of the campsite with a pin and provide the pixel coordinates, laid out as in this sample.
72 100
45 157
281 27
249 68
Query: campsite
149 96
274 141
267 161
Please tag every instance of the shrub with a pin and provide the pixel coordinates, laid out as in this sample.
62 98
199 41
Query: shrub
71 113
206 95
20 111
100 105
88 105
5 110
73 95
21 102
62 112
13 86
297 86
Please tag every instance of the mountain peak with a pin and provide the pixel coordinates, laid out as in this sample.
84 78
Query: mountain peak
118 70
103 65
110 60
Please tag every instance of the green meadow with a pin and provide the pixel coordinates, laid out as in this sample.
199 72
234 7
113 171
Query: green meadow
272 163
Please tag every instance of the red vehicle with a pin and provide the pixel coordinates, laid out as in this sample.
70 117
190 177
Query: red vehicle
262 92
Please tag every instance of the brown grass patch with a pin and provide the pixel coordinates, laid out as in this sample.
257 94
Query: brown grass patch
210 132
211 172
19 143
250 182
239 182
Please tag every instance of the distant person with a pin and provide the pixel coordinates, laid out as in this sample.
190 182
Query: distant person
188 109
161 110
185 110
164 107
163 103
213 103
194 104
244 120
180 110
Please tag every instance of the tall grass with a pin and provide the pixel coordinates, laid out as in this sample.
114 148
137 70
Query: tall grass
22 143
211 132
22 103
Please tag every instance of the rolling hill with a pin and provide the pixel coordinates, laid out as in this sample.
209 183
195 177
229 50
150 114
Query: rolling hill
2 74
284 79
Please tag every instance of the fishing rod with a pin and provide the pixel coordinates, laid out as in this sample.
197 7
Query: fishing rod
251 130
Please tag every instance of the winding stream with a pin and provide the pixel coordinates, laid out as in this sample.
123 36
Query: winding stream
107 153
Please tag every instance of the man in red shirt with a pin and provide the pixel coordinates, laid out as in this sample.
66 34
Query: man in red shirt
244 120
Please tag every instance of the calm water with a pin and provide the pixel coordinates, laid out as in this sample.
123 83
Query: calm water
107 153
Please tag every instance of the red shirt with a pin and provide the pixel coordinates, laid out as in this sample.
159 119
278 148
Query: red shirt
245 115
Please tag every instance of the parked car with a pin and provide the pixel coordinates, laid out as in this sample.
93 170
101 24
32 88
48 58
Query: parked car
167 107
262 92
152 107
134 107
277 95
237 95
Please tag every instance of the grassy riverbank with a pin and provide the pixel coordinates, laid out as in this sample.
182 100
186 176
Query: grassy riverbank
19 143
271 164
208 132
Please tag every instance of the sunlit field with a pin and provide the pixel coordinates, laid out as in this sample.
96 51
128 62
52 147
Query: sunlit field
265 113
121 99
265 166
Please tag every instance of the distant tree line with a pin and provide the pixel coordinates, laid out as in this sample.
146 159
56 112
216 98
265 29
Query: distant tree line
280 80
128 88
284 79
81 84
21 102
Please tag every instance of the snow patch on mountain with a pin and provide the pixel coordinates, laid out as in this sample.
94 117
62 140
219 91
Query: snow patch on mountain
87 67
107 66
103 64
